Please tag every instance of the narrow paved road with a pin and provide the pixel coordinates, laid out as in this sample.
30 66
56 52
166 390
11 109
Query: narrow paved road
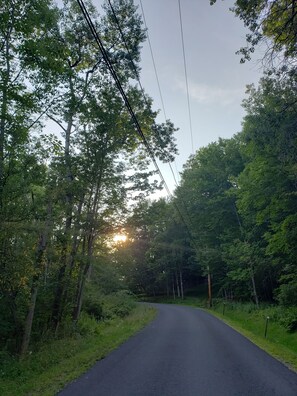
186 352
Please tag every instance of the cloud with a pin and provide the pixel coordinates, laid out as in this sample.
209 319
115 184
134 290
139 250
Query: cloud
209 95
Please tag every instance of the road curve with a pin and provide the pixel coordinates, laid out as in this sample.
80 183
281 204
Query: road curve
186 352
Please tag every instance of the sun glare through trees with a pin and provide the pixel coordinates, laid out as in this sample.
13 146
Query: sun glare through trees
120 238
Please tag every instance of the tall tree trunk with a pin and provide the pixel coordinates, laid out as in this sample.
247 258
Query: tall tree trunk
209 288
57 305
79 294
177 285
81 284
4 106
92 209
75 241
34 288
181 284
90 242
29 319
78 299
167 285
173 288
254 286
181 275
61 282
73 253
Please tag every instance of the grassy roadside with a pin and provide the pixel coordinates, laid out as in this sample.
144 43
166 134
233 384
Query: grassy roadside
250 322
279 343
59 362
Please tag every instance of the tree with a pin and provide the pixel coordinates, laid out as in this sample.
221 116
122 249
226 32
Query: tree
24 28
205 197
268 208
59 200
271 21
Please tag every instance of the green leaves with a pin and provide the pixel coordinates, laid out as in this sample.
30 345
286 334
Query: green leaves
273 22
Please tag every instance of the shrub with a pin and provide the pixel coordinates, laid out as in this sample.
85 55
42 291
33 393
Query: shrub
287 294
93 307
87 325
289 319
118 304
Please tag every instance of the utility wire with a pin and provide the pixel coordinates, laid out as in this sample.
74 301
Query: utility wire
138 79
156 74
130 110
186 73
153 59
120 88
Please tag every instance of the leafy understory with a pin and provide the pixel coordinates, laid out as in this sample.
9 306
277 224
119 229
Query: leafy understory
58 362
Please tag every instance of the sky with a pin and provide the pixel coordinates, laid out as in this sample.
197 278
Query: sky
216 79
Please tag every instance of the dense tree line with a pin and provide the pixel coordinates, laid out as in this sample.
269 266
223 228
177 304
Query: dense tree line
237 198
66 144
233 216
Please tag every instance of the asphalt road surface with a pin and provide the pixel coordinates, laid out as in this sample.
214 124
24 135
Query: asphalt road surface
186 352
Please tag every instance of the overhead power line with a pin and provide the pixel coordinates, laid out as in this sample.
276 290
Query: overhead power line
122 92
138 79
156 75
186 73
153 59
145 98
130 110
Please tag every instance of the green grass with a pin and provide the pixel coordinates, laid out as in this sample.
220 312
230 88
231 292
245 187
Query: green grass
47 371
250 322
191 301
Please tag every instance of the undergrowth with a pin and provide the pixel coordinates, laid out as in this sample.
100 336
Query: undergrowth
58 361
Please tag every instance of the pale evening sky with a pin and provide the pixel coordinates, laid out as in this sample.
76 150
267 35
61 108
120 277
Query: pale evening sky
217 81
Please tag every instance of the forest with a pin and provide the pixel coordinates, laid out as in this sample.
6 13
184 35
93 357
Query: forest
74 173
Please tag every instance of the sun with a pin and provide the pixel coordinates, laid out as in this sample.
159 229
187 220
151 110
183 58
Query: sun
120 238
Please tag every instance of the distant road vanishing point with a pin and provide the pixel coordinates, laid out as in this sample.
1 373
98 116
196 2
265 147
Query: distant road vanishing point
186 352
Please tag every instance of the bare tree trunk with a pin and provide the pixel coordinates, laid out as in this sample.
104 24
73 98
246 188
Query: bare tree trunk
181 274
173 288
74 249
92 209
209 289
254 286
34 289
167 285
177 285
79 286
225 294
79 297
75 242
181 284
57 305
3 119
29 320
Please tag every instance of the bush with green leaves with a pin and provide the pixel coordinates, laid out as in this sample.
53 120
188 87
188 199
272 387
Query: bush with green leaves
93 307
87 325
289 319
119 304
287 294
